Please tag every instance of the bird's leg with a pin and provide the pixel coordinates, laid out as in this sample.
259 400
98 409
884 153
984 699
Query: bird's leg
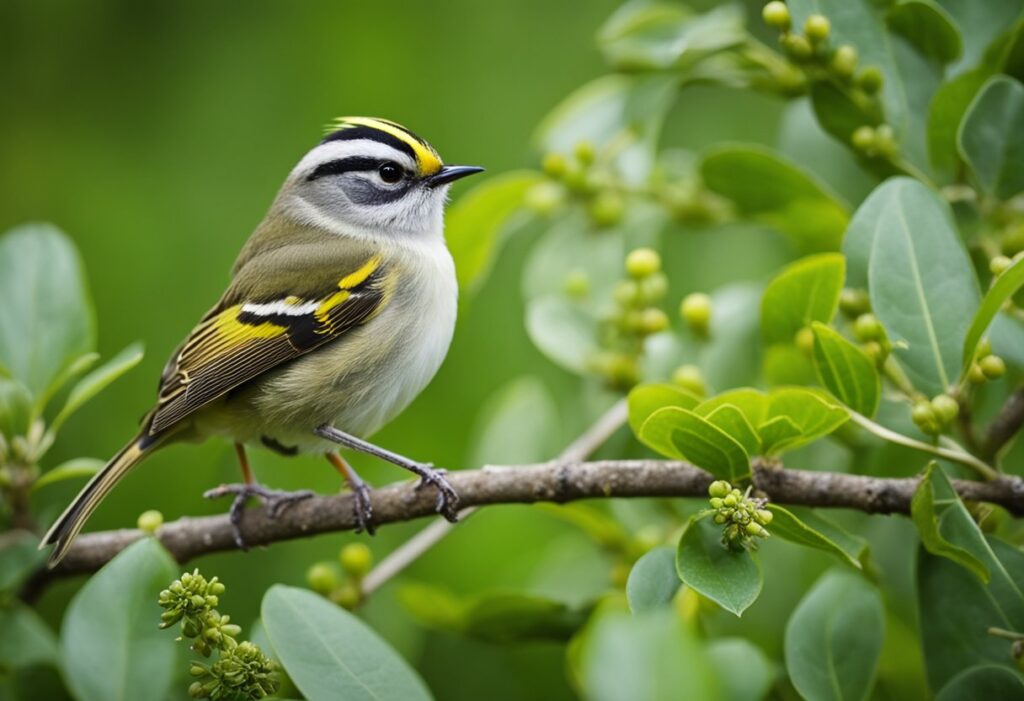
360 490
447 499
276 501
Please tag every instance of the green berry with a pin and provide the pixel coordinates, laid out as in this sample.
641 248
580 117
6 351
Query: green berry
544 198
946 408
999 264
652 289
885 141
622 371
696 312
356 559
804 341
716 503
863 139
844 61
854 301
730 500
754 528
817 28
585 152
719 489
984 348
577 284
992 366
975 375
321 578
867 327
555 165
720 518
627 293
348 595
796 47
776 14
870 80
607 208
925 418
653 320
642 262
150 521
690 377
764 516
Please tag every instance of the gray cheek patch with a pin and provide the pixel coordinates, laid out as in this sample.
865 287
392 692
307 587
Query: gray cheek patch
363 192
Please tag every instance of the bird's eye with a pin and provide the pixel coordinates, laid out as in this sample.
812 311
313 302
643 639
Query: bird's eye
390 172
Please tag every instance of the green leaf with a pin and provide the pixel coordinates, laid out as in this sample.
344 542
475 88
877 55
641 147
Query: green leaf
617 109
812 412
921 282
19 557
731 654
563 332
653 581
766 186
778 432
834 638
46 318
117 612
647 657
753 403
806 291
945 113
603 528
26 640
936 508
980 24
331 654
928 27
518 425
729 578
74 468
814 531
476 223
846 370
730 419
644 400
433 606
956 609
983 682
991 140
682 434
1004 287
15 408
658 35
513 617
96 381
70 371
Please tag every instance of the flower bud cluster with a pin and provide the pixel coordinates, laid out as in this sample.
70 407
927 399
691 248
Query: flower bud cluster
240 672
933 416
583 177
346 591
986 365
744 518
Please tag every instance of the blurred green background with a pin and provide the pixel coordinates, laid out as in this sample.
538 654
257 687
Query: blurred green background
156 134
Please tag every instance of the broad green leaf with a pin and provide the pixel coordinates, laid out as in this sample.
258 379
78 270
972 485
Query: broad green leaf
805 531
732 356
991 140
643 35
75 468
96 381
927 26
810 411
117 611
766 186
846 370
834 638
597 523
619 109
922 284
1004 287
331 654
806 291
653 581
46 319
73 369
945 113
476 223
730 419
786 364
731 654
26 639
433 606
979 24
753 403
840 112
956 609
563 332
19 557
983 682
519 424
644 400
778 432
15 408
729 578
647 657
514 617
936 509
682 434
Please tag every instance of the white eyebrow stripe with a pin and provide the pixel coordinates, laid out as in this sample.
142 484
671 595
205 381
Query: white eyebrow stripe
280 307
365 148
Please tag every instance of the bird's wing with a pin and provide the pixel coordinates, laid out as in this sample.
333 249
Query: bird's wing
260 323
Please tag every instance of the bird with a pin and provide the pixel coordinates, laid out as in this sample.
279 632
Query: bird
340 310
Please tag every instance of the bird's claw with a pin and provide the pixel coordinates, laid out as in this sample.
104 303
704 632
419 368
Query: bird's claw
362 508
447 498
275 501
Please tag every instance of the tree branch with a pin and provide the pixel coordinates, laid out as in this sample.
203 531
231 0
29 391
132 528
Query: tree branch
1006 424
556 482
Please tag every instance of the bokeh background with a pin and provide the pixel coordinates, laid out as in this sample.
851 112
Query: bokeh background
156 134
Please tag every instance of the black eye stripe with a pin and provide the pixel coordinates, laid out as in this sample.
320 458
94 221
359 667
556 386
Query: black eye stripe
344 165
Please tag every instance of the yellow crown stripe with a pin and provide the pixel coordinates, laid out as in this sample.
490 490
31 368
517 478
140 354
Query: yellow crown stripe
428 159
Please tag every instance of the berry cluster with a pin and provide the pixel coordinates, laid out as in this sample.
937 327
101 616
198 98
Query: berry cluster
986 366
744 518
346 591
580 176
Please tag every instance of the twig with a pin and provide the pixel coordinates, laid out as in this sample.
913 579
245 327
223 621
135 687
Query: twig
1006 424
407 553
188 538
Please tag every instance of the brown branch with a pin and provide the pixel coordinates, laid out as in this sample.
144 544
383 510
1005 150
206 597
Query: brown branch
1006 424
557 482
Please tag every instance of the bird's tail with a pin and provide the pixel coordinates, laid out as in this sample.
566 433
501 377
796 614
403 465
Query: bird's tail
64 530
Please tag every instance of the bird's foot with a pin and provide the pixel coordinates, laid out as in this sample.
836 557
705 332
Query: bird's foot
447 498
362 509
275 501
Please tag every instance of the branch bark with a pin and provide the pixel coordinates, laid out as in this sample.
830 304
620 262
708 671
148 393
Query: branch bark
555 481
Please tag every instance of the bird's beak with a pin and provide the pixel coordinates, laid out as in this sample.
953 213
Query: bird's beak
449 174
